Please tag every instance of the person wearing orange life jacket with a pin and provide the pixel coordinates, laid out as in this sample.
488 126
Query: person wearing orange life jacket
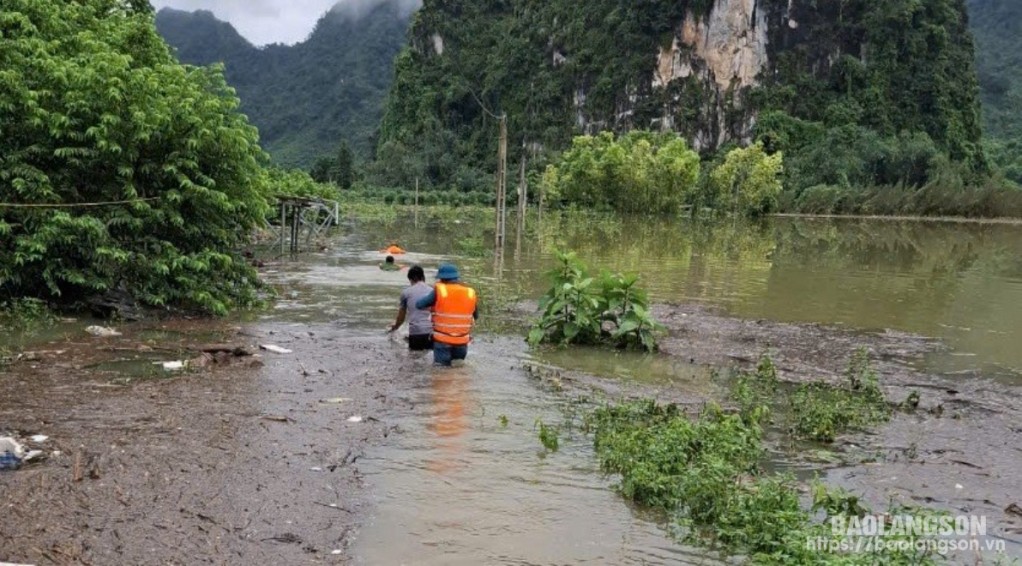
393 249
454 314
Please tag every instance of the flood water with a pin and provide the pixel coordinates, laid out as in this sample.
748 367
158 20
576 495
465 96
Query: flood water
960 282
458 486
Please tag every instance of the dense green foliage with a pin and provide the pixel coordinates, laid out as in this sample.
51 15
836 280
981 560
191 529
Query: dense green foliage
298 183
707 473
307 98
747 182
637 172
879 70
998 61
94 108
581 309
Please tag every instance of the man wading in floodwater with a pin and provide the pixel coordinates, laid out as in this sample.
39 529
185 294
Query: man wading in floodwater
454 313
420 328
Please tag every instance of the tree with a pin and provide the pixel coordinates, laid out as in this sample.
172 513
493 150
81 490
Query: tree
345 166
321 171
637 172
748 182
97 110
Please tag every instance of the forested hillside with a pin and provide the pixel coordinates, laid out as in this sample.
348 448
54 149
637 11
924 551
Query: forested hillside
307 98
834 76
996 25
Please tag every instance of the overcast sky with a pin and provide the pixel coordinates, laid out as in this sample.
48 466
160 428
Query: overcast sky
271 21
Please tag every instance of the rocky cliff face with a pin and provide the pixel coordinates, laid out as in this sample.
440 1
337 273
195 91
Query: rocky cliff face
705 68
721 53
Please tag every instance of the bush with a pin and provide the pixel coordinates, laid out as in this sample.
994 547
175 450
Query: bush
821 199
579 309
95 109
747 182
298 183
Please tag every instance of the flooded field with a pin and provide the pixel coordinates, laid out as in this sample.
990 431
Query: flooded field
445 467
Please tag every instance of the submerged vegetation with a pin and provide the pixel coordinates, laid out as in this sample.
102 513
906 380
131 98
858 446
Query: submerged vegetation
586 310
816 410
706 472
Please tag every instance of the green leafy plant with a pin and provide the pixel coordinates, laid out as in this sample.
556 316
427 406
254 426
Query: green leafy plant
821 411
747 183
25 314
549 436
579 309
133 173
637 172
706 473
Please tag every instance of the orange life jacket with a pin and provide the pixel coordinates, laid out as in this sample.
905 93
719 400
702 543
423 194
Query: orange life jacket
394 250
452 314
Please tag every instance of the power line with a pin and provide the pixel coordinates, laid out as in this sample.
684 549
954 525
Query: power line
483 106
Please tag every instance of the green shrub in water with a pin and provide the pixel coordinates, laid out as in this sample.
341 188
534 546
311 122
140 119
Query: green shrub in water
706 472
581 309
549 436
821 411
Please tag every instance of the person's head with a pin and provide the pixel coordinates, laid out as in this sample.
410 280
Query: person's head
416 274
447 273
390 259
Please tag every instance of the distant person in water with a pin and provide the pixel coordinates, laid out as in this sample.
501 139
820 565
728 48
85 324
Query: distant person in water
389 264
420 325
393 249
454 314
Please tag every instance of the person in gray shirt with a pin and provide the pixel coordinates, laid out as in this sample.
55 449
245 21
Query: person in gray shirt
420 322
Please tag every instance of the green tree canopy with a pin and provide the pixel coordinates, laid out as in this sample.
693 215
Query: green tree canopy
637 172
95 109
748 182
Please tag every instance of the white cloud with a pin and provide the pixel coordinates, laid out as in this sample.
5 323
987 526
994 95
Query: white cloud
274 21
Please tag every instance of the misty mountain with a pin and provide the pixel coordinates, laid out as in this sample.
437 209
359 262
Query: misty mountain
306 98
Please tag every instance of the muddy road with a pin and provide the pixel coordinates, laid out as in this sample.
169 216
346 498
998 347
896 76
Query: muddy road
260 459
255 462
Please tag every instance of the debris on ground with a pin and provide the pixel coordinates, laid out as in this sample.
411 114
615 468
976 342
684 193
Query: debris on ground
1014 509
102 331
237 351
355 419
275 349
39 438
11 453
172 366
335 400
39 356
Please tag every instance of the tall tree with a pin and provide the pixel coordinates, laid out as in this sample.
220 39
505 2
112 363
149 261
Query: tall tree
132 172
345 166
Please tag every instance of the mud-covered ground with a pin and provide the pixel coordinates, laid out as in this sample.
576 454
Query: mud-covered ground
244 462
256 459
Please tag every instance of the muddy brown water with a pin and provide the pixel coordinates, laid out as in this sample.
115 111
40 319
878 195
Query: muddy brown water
240 464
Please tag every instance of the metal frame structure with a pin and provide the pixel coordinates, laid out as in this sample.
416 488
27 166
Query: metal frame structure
314 215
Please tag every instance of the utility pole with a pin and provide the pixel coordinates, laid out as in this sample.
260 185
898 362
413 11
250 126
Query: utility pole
501 186
523 205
